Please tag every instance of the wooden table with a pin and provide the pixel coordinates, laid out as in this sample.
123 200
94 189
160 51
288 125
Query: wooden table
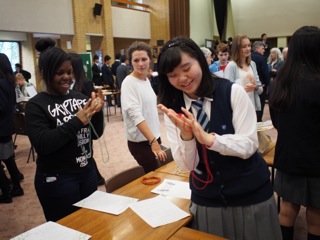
191 234
171 168
127 225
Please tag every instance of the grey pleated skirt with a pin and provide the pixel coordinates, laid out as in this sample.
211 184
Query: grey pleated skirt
6 150
253 222
299 190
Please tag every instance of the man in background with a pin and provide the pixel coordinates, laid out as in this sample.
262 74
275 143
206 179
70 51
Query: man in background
266 45
258 48
96 71
25 73
284 53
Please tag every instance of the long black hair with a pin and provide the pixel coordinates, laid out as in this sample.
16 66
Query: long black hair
169 58
78 71
6 72
301 67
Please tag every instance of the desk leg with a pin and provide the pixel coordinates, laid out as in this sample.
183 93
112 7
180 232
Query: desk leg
107 107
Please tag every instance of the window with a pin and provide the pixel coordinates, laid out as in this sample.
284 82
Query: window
11 49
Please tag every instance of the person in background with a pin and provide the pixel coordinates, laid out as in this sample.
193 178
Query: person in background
61 124
284 53
139 110
25 73
223 56
207 54
263 73
294 107
243 71
7 108
229 42
22 84
96 71
229 180
275 62
116 64
122 71
107 77
266 43
213 55
82 84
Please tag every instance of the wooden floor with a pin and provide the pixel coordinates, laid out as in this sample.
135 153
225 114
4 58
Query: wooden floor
112 156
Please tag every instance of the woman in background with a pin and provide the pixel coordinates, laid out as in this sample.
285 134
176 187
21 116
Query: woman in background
295 113
275 62
139 109
22 84
243 71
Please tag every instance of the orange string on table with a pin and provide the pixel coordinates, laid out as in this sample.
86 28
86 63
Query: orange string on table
150 180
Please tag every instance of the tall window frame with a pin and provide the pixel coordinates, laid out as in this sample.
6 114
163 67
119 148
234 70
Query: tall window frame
12 49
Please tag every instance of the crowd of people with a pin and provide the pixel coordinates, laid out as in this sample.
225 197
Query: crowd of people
211 108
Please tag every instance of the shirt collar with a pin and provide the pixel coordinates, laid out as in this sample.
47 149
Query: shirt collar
188 100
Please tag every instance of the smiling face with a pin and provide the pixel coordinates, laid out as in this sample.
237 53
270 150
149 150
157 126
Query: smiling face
62 79
141 64
186 76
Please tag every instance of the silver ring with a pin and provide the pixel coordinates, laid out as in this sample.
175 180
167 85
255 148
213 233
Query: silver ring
88 116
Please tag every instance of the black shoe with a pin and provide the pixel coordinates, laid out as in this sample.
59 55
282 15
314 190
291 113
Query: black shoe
15 192
5 199
101 181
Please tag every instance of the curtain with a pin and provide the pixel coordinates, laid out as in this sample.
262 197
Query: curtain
179 17
220 9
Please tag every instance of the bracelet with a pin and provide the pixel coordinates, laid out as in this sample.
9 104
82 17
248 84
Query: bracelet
150 180
153 140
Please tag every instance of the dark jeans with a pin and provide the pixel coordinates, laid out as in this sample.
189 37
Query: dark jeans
57 192
143 154
263 97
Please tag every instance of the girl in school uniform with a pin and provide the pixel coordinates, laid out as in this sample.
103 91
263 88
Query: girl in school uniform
232 196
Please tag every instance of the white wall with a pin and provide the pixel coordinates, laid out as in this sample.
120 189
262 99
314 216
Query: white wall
37 16
202 21
128 23
277 18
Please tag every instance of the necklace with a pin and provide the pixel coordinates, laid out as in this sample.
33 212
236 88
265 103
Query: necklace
206 163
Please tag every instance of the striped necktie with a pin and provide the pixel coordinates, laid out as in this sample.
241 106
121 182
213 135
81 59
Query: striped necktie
202 117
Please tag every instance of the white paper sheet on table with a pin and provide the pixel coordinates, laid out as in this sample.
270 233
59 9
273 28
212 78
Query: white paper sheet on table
106 202
173 188
52 231
31 91
158 211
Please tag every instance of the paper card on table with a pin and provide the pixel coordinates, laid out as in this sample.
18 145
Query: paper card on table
52 231
158 211
106 202
31 91
173 188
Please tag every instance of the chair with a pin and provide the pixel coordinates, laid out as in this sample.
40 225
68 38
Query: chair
20 129
269 159
169 156
123 178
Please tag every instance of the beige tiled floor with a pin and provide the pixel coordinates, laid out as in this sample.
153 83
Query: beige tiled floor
25 212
